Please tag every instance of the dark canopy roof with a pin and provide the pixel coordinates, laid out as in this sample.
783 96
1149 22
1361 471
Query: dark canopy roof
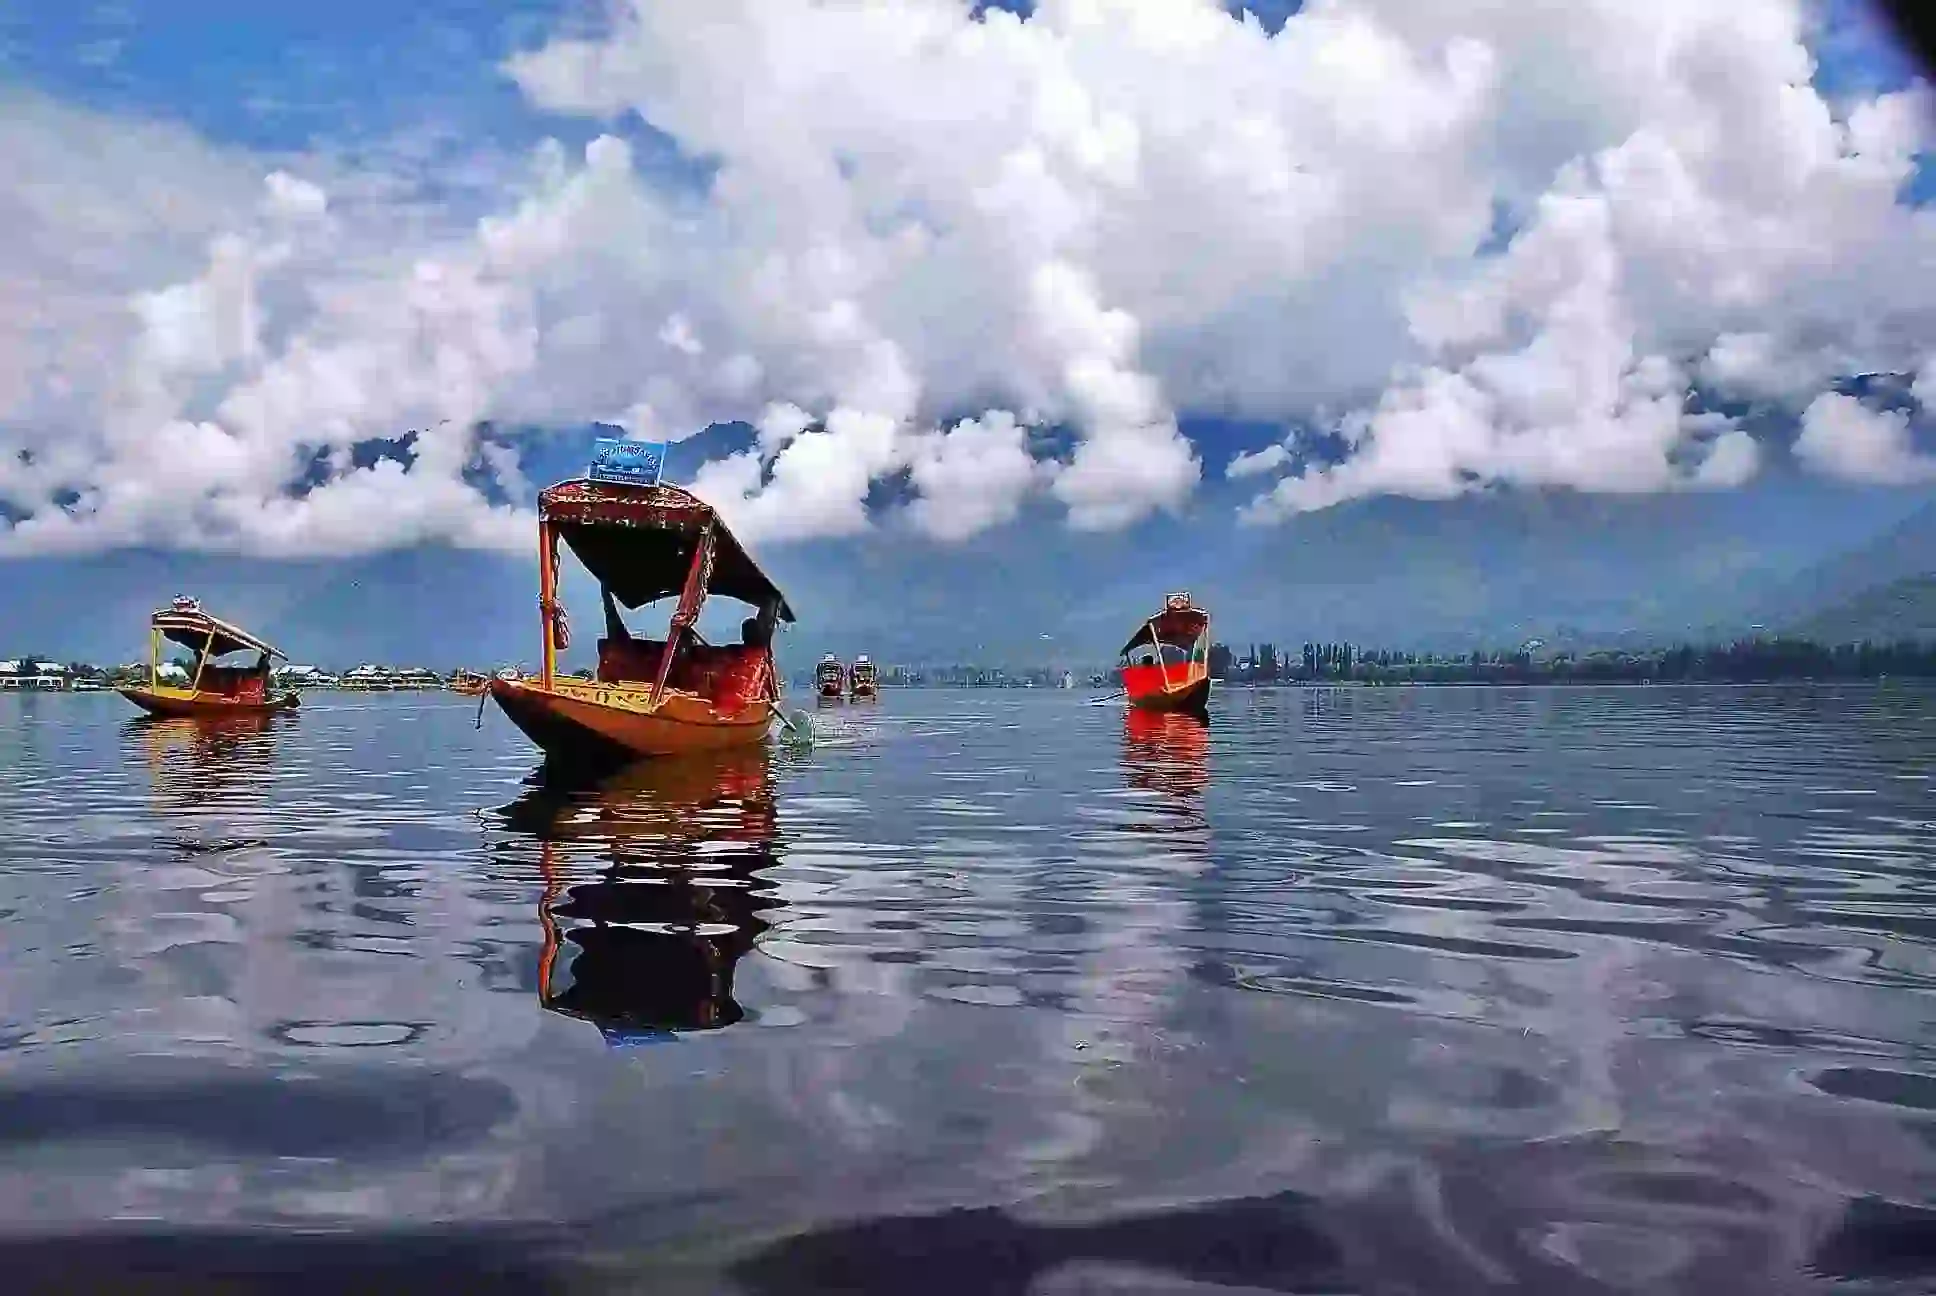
639 542
189 626
1181 624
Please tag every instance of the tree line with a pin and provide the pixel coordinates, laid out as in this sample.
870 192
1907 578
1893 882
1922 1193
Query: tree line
1743 661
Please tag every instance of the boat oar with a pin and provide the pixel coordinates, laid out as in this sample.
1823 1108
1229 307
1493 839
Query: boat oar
801 728
1106 700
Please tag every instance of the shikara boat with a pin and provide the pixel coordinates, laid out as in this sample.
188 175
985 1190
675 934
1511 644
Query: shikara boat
212 690
648 698
830 677
1166 664
469 684
863 681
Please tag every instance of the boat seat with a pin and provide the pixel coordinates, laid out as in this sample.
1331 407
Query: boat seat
240 683
635 661
729 675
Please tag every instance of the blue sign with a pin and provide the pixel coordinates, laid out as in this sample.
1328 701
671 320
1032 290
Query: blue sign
630 463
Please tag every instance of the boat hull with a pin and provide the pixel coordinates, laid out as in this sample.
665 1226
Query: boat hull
174 703
1191 695
582 723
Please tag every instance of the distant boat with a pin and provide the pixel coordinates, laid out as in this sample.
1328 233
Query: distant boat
212 690
1166 663
863 680
470 684
646 543
830 677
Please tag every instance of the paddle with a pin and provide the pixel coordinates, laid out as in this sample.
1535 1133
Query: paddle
1108 698
800 725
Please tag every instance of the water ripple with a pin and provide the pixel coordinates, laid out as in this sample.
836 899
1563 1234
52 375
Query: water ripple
1382 990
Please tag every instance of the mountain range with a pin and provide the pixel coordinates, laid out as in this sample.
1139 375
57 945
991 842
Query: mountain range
1484 571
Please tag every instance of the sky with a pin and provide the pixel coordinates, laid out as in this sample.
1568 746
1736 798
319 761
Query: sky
997 311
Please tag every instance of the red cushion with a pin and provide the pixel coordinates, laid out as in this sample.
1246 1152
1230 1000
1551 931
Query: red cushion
740 676
730 676
628 659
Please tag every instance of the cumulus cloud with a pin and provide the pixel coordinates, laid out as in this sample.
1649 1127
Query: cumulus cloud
1255 463
1842 437
926 233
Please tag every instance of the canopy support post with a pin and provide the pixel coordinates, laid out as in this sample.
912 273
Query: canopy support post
154 658
691 599
548 597
1162 667
208 646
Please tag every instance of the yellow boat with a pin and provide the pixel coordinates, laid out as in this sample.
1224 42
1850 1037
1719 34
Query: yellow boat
212 690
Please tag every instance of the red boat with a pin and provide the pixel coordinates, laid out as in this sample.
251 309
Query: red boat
830 677
646 543
211 690
1166 664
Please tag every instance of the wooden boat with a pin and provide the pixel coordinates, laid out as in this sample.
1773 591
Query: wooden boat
645 543
1166 664
212 690
863 680
470 684
830 677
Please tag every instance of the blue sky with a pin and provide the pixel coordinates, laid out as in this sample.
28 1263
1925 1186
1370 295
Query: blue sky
420 92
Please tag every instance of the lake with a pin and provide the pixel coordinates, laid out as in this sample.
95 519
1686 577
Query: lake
1374 990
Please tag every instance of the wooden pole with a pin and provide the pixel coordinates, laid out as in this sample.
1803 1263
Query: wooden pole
154 657
547 596
691 599
201 661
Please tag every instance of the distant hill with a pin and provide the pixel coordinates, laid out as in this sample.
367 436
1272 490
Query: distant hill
1899 609
1903 553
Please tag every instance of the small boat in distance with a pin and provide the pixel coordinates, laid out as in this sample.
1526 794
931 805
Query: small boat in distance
830 677
469 684
645 542
1166 664
863 680
210 690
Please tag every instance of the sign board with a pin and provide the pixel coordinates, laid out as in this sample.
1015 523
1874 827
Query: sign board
628 463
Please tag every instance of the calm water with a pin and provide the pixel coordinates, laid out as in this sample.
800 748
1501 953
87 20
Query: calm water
1380 991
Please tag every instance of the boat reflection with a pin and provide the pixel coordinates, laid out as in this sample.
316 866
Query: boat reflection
196 762
652 891
1167 752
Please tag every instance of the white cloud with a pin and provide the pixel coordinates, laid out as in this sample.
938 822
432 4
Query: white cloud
1104 217
972 476
1257 462
1841 437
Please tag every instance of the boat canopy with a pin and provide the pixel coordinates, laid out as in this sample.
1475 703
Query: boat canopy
186 624
640 542
1180 623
